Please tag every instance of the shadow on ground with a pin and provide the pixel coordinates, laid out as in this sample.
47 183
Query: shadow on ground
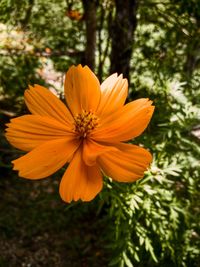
38 229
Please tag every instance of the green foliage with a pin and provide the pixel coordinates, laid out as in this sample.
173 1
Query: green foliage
30 29
155 221
24 74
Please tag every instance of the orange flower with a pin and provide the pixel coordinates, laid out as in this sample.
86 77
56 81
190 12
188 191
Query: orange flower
74 14
88 133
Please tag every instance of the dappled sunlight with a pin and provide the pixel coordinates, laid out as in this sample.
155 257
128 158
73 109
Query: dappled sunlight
79 81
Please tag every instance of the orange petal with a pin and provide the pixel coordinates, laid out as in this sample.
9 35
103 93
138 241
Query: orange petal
82 89
28 131
46 159
129 122
91 150
80 181
126 165
40 101
114 91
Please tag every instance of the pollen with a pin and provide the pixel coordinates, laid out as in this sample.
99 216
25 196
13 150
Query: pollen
85 122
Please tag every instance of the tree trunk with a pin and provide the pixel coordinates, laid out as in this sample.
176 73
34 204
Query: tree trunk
90 7
193 51
26 19
122 34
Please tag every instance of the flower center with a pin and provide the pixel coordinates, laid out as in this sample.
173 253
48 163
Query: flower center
85 122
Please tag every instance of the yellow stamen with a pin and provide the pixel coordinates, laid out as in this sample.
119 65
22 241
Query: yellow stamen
85 122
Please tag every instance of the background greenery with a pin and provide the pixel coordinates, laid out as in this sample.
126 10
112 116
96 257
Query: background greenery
153 222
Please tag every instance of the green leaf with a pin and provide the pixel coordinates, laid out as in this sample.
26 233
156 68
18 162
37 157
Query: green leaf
127 260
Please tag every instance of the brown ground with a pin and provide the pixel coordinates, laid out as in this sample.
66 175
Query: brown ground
38 229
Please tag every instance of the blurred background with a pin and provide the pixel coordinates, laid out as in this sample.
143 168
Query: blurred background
156 45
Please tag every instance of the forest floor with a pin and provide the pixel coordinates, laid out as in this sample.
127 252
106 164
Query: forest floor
38 229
